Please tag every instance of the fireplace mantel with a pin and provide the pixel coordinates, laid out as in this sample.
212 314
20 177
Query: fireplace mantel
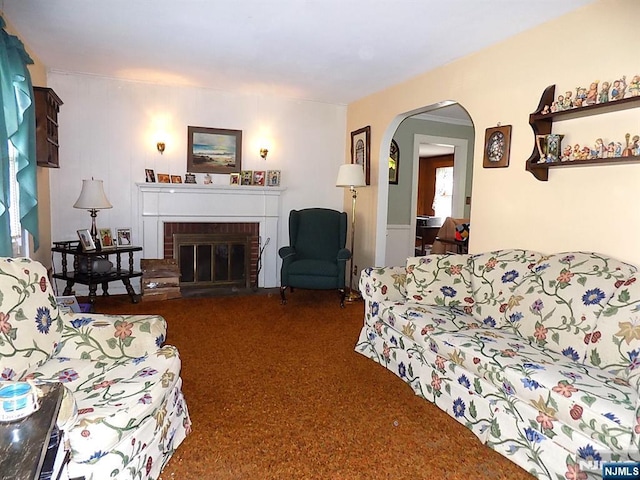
160 203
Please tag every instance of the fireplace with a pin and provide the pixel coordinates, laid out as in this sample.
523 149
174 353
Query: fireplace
214 254
171 209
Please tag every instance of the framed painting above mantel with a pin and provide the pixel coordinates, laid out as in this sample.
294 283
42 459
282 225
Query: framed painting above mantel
214 150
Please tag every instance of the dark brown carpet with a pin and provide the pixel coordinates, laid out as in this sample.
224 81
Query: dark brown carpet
277 392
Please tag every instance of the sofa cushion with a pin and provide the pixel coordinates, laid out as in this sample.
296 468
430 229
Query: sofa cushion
439 280
113 397
30 324
588 399
558 303
614 344
493 276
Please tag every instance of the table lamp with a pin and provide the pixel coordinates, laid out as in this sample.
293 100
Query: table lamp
92 198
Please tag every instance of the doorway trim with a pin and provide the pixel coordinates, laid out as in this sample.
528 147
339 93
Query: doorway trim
460 177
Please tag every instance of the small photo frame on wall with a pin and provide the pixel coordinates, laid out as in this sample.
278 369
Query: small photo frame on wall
497 142
273 178
394 163
150 175
361 150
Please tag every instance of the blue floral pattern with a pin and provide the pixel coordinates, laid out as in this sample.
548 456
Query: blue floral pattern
126 385
537 354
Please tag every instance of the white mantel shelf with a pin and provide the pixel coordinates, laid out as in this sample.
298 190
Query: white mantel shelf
162 203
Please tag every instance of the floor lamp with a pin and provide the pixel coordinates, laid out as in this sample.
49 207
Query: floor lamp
351 175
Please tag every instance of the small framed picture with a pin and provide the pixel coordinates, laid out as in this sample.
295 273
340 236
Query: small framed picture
497 141
86 241
150 175
258 178
234 179
123 236
164 178
106 238
246 177
273 178
361 150
176 179
190 178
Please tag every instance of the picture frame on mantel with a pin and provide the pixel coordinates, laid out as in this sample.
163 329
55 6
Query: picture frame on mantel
361 150
214 150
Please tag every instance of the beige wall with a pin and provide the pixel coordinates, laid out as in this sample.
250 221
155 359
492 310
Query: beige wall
38 73
586 208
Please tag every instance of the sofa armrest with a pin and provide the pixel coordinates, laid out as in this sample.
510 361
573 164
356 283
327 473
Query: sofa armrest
383 284
110 337
286 252
344 254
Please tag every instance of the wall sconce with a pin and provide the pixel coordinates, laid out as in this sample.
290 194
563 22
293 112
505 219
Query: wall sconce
263 153
160 146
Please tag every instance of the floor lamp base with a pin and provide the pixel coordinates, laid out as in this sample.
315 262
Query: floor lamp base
353 296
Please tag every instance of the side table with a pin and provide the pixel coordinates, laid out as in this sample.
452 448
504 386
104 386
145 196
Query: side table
24 443
91 278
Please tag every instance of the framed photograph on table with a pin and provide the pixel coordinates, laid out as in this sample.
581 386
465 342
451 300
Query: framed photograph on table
106 238
361 150
86 241
497 141
214 150
123 237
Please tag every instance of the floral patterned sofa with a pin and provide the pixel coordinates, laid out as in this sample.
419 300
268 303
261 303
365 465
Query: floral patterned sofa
537 354
126 385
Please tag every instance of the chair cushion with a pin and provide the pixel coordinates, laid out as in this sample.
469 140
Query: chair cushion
30 324
319 268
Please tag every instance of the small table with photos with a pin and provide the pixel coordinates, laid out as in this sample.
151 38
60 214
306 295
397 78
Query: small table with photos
92 268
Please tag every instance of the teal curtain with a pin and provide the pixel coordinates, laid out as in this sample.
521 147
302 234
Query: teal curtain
17 124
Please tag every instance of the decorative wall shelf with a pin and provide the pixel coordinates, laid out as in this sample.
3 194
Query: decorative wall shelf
542 124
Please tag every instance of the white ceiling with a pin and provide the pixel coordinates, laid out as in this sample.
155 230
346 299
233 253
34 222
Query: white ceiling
334 51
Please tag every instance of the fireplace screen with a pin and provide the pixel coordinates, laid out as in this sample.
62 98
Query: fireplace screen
213 259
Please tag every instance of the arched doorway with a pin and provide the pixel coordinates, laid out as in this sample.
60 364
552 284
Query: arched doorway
446 124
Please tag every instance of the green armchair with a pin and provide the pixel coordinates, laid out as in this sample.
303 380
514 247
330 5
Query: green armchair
316 257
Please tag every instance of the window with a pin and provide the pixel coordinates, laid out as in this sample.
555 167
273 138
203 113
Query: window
443 197
19 237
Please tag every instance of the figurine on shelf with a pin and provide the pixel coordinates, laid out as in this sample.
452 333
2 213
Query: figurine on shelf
598 150
618 88
576 152
554 107
618 150
611 150
207 179
635 145
603 96
560 103
592 93
568 101
567 154
634 86
581 96
585 153
545 110
628 151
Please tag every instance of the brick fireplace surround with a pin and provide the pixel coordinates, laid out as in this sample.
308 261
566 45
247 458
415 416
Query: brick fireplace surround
163 206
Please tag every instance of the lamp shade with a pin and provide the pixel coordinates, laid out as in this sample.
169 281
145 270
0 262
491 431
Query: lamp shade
350 175
92 196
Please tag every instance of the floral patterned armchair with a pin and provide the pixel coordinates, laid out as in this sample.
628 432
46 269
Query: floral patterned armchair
539 355
124 383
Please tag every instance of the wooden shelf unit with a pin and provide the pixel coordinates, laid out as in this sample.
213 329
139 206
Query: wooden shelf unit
542 124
